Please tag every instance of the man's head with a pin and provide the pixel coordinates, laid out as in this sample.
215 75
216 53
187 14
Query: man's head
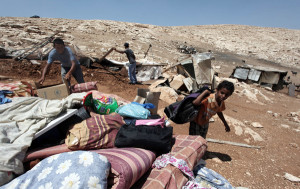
126 45
224 90
59 45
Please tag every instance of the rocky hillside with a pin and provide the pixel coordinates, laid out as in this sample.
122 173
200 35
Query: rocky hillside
95 37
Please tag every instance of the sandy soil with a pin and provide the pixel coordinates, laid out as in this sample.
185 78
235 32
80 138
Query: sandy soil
248 167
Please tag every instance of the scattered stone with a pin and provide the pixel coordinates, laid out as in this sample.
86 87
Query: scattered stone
268 88
285 126
275 115
247 173
247 122
35 62
291 177
255 136
269 112
217 160
256 125
294 145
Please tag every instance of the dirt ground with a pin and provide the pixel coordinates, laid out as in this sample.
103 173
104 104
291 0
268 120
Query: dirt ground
246 167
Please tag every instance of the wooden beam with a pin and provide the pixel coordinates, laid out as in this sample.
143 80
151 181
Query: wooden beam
106 54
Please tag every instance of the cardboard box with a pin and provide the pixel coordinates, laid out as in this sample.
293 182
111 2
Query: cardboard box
53 92
145 96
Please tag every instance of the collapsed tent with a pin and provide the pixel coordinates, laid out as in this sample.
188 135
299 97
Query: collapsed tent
261 75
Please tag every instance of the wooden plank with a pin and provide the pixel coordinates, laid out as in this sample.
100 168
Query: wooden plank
106 54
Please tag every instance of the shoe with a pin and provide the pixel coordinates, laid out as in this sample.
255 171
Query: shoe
130 83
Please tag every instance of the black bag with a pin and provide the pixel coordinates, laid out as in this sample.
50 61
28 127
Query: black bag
154 138
184 111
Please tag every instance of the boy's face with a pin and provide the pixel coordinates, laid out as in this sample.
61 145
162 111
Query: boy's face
59 48
222 94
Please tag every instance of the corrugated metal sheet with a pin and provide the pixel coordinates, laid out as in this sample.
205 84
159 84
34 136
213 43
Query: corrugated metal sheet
254 75
241 73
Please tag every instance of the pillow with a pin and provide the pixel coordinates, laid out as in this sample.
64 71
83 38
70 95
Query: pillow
80 169
96 132
84 87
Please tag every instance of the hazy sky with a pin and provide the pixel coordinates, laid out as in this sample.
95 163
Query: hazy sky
265 13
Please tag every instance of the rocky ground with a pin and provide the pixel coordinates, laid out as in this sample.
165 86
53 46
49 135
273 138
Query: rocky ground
258 117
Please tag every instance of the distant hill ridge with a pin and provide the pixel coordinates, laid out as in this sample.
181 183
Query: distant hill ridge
95 37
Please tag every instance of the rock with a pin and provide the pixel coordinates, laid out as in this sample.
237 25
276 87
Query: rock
256 125
285 126
269 112
217 160
291 177
255 135
247 122
294 145
275 115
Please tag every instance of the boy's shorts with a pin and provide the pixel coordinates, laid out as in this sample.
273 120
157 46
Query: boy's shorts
196 129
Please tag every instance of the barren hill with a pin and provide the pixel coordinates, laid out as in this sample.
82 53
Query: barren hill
95 37
257 117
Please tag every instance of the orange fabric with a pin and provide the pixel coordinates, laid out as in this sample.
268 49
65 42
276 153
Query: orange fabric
209 107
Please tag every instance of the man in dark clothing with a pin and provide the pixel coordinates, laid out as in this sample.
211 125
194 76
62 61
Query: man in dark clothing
132 63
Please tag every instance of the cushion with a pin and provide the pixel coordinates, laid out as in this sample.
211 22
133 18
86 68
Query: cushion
127 164
84 87
96 132
80 169
189 148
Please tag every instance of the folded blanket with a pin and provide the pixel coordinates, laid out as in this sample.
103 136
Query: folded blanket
20 120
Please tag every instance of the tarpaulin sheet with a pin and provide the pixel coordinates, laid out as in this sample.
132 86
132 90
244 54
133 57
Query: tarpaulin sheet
269 77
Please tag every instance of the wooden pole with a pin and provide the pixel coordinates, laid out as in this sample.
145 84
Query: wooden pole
231 143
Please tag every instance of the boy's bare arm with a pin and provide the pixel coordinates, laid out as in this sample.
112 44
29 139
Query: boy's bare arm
198 100
221 116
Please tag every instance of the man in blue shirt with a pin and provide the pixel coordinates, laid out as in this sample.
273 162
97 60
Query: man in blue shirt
132 63
69 64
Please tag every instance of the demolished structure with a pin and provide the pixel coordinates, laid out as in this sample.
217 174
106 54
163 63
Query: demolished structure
273 78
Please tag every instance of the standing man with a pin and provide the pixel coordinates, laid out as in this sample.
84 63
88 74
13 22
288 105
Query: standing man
132 63
69 64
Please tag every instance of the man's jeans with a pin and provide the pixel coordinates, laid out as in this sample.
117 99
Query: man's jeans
77 74
131 72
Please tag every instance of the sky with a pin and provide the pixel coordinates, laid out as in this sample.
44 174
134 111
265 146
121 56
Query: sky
264 13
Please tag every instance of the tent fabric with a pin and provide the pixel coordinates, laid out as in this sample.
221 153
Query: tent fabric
20 120
269 77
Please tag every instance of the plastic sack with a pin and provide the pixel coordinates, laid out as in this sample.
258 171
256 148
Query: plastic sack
133 111
151 122
103 105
